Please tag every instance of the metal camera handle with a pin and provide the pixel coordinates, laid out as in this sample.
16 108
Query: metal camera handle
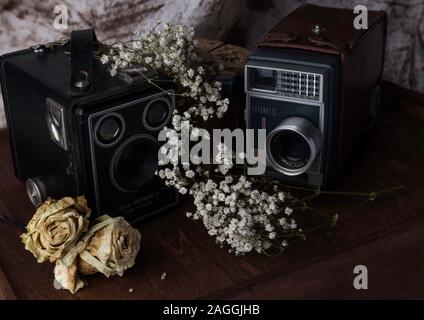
82 46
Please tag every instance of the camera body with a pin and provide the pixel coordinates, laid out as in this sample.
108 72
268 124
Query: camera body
314 84
102 144
293 95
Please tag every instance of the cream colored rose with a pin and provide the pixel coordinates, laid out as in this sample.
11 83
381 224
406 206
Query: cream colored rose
56 227
110 247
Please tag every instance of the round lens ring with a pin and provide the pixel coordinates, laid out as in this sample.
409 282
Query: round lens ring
293 146
157 113
109 129
289 149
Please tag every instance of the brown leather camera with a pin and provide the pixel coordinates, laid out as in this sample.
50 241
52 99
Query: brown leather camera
314 84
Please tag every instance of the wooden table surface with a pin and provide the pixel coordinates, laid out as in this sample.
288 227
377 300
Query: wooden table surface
387 236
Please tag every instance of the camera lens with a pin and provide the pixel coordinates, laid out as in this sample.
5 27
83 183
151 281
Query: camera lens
293 146
157 113
109 129
134 163
290 149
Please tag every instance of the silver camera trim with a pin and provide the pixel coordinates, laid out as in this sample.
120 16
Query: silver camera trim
273 66
307 131
57 132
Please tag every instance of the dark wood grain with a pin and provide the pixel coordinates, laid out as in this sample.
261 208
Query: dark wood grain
388 260
6 291
386 235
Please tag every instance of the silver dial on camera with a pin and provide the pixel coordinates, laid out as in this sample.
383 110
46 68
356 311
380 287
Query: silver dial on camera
293 146
36 190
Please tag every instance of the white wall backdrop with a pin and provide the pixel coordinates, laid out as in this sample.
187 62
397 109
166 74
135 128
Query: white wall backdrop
23 23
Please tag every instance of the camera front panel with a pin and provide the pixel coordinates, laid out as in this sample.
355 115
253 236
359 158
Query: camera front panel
124 156
287 151
290 101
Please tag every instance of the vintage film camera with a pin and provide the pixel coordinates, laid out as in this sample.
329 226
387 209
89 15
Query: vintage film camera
76 130
313 83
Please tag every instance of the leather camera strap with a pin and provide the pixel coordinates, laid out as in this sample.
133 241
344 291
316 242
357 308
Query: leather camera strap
82 46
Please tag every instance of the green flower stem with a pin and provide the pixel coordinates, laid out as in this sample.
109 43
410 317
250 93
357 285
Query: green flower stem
152 82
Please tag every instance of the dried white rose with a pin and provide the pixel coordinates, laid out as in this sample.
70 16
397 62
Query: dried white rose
56 227
110 247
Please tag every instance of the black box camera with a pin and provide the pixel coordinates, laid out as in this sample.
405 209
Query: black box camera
76 130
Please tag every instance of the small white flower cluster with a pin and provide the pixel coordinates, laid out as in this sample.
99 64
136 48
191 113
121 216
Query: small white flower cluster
172 51
175 179
224 158
242 217
234 211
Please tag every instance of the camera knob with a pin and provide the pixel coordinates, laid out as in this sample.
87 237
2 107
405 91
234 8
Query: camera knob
317 29
82 81
36 190
39 49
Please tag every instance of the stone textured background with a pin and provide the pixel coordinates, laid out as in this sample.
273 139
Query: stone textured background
23 23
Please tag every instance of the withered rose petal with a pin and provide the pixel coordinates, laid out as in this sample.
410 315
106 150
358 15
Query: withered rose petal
112 246
67 276
55 227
